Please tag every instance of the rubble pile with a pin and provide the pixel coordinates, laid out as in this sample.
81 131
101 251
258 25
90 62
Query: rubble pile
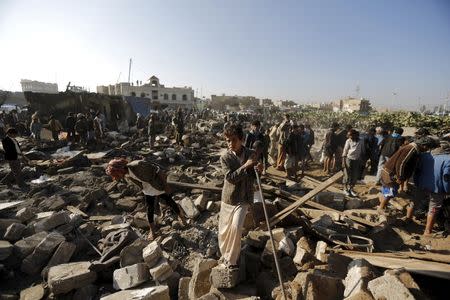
76 234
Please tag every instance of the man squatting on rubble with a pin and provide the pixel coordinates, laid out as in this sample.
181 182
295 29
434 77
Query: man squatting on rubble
238 164
12 154
152 180
399 168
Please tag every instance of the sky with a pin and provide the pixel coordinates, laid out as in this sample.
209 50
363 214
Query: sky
397 51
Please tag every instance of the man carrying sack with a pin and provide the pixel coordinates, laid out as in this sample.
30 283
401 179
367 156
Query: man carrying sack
152 179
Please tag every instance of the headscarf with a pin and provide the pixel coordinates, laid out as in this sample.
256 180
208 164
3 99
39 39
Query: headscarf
117 168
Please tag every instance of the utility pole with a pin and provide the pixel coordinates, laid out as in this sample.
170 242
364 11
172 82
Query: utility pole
129 71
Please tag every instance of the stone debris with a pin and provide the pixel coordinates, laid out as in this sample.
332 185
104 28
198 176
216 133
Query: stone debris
151 254
5 250
389 287
67 277
223 277
76 234
130 276
148 293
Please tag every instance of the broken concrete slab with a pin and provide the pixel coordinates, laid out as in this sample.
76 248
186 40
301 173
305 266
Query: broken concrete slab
34 262
111 228
223 277
140 220
360 272
321 249
315 285
183 288
389 287
257 239
127 204
62 254
151 254
201 202
132 254
408 281
67 277
6 250
130 276
25 214
36 292
200 284
14 232
24 247
161 270
148 293
189 208
55 220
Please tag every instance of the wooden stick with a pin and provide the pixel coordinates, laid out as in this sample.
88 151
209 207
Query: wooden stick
288 210
293 197
195 186
413 265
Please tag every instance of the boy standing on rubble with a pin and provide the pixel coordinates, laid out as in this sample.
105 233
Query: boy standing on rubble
238 164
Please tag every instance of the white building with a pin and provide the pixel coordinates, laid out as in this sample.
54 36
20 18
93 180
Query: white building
38 86
154 90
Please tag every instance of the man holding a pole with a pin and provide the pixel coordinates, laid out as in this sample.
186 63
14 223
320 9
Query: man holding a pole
238 164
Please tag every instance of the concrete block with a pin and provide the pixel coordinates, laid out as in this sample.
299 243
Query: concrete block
14 232
132 254
34 262
183 288
316 285
6 250
286 246
161 271
360 272
55 220
36 292
148 293
200 202
140 220
130 276
25 214
257 239
26 246
63 254
223 277
151 254
189 208
389 287
200 284
321 249
67 277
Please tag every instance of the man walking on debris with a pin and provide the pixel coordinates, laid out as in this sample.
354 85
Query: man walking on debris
238 164
98 128
55 127
152 179
179 126
329 148
432 178
351 160
12 154
81 127
70 127
152 130
283 132
388 147
35 127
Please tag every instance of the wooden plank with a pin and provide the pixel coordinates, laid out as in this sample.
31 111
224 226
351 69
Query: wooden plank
76 211
102 218
316 205
413 265
291 208
195 186
11 204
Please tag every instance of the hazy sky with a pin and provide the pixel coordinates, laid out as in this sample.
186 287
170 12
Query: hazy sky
300 50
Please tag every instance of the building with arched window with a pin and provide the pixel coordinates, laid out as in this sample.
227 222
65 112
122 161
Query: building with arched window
153 90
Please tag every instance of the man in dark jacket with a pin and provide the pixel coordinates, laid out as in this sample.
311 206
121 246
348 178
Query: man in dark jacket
388 147
70 126
399 168
254 134
12 154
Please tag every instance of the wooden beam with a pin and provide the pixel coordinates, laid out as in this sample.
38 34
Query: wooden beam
316 205
291 208
194 186
413 265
